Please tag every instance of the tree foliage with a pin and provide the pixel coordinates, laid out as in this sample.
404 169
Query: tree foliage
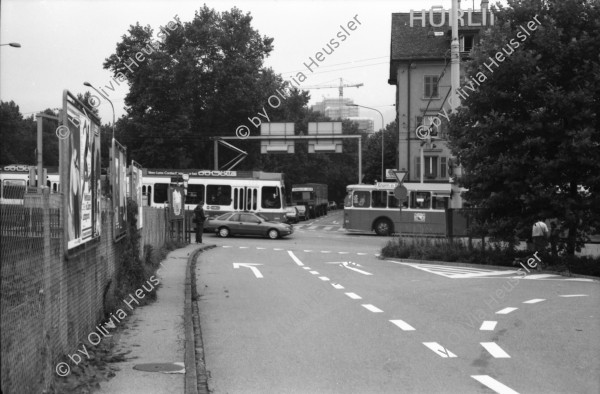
528 138
373 152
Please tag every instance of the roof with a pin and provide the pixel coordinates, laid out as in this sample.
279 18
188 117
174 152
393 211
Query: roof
414 43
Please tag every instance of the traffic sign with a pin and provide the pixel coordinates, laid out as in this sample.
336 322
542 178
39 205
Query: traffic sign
400 193
400 175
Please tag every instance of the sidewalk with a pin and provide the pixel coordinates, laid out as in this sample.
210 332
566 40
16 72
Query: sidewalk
156 334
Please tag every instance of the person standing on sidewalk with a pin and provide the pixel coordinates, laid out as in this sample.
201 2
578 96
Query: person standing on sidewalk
199 218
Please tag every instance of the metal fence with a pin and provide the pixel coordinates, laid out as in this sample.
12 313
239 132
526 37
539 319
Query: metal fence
50 301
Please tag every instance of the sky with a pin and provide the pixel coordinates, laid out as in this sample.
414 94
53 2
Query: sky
65 42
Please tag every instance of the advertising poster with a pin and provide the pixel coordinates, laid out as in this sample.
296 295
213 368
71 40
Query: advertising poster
119 188
176 202
80 171
136 190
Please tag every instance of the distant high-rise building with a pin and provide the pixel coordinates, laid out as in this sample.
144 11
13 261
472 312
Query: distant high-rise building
365 125
336 108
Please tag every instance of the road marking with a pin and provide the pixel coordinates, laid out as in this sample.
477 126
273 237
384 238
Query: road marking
506 311
324 278
337 286
493 384
346 264
277 249
354 296
314 272
495 350
327 228
439 350
361 254
343 252
573 295
455 272
307 250
254 270
372 308
336 222
243 247
312 228
226 246
306 268
326 251
488 325
534 301
259 248
540 276
296 259
403 325
377 255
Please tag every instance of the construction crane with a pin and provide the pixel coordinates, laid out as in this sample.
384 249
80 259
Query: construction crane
341 87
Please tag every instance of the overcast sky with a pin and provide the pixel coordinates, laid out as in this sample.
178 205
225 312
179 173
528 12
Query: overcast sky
64 43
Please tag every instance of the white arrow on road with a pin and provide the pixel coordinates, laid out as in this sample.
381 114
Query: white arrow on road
348 265
255 270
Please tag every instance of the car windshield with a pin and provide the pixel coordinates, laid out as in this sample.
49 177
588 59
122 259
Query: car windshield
224 217
290 209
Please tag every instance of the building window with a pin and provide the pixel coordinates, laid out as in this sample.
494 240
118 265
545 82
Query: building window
431 86
431 167
443 167
466 43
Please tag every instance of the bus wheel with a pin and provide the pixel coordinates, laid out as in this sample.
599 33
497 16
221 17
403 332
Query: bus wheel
383 227
223 232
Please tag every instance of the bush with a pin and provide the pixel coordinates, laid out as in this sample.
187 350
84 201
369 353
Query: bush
499 254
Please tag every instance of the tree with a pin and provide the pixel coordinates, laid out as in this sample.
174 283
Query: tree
373 152
204 79
18 142
528 137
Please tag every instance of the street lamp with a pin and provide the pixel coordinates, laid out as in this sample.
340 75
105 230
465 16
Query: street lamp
111 104
12 44
382 131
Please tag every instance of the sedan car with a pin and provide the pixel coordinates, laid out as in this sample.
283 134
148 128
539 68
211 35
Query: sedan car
247 223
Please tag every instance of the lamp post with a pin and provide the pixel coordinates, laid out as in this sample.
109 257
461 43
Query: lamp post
382 133
111 105
12 44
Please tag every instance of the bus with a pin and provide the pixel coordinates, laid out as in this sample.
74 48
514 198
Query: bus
375 208
221 191
14 180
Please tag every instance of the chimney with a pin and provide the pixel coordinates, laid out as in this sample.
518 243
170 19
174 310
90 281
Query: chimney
484 4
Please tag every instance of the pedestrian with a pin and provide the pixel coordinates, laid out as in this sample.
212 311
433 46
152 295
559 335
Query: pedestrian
539 233
199 218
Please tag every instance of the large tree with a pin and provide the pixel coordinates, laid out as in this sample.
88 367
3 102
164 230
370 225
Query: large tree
528 137
205 78
373 152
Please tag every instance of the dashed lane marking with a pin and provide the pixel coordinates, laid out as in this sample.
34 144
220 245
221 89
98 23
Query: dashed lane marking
573 295
326 251
403 325
493 384
361 254
296 260
495 350
277 249
354 296
337 286
488 325
226 246
506 311
534 301
324 278
439 350
314 272
306 268
243 247
343 252
307 250
372 308
259 248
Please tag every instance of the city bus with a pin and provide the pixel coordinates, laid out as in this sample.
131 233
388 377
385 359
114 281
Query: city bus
14 180
221 191
375 208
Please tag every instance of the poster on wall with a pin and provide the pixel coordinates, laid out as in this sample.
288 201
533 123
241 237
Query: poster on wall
118 174
176 202
80 171
135 187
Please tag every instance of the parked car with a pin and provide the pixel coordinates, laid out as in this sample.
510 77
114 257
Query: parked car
302 212
247 223
292 215
332 205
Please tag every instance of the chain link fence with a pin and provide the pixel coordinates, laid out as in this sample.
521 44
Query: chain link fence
51 301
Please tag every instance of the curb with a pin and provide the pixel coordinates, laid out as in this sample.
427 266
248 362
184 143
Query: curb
191 366
497 267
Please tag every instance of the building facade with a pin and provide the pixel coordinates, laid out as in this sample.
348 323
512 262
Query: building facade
420 70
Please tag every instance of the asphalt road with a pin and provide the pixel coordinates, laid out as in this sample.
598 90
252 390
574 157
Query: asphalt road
319 312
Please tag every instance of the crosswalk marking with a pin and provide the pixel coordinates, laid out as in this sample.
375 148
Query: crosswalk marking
495 350
354 296
506 311
493 384
372 308
534 301
337 286
439 350
456 272
488 325
403 325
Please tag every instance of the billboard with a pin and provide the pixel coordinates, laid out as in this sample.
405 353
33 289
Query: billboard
176 202
80 171
135 190
118 174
